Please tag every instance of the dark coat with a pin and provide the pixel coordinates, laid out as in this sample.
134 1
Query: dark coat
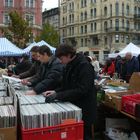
49 76
32 71
22 67
78 87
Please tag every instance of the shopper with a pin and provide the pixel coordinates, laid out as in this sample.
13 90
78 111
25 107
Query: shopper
132 65
77 86
49 75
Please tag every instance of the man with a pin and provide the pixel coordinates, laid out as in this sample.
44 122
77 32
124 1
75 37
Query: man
50 73
77 86
35 66
132 65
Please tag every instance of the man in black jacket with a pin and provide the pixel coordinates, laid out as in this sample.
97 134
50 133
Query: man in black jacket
78 86
50 73
35 66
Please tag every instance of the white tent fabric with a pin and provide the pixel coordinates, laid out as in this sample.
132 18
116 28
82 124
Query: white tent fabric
130 48
7 48
27 50
45 43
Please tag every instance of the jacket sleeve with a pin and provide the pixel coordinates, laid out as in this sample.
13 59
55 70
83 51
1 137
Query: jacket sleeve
28 73
51 80
83 88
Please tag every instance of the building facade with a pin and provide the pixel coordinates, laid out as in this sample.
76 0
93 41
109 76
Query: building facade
52 17
102 26
30 10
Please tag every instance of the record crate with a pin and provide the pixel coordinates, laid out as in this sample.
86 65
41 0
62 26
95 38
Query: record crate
131 104
66 131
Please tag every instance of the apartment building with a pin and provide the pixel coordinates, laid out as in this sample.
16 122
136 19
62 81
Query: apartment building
52 17
30 10
100 26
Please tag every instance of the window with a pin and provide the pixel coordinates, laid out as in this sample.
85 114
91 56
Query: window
82 43
127 10
117 24
122 23
6 18
123 9
85 41
111 10
105 26
30 19
30 3
127 25
85 28
81 29
105 11
95 26
81 16
117 9
9 3
91 26
85 15
110 23
91 13
94 12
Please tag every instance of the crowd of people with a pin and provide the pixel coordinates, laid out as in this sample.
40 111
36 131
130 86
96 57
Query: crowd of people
69 76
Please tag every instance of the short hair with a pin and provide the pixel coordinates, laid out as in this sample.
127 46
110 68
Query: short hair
64 50
34 49
45 49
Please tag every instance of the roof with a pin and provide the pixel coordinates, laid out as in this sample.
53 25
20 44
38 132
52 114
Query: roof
7 48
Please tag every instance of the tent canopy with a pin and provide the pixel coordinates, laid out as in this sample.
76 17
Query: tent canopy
7 48
27 50
129 48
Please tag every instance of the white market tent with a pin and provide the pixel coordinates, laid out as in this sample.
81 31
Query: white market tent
129 48
7 48
27 50
45 43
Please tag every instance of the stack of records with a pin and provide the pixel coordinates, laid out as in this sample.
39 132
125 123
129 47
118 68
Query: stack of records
6 100
45 115
34 99
7 116
3 94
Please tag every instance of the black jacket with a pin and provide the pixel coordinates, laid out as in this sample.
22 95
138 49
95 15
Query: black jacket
49 76
78 87
32 71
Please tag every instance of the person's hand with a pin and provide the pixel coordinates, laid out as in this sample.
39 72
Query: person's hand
30 92
50 96
25 82
49 92
15 76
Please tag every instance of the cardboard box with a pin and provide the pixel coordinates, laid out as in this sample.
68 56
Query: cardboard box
113 100
135 81
8 133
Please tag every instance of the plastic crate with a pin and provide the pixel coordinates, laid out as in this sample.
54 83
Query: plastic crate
129 103
66 131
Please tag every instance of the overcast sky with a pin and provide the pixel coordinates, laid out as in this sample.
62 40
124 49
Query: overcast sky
48 4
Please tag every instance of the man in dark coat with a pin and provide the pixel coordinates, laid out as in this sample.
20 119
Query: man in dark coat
50 73
35 64
78 86
23 66
132 65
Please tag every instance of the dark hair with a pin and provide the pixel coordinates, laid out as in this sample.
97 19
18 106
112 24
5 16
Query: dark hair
64 50
25 56
34 49
86 53
45 49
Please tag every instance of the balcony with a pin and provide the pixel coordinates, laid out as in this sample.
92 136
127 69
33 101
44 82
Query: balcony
137 16
117 29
